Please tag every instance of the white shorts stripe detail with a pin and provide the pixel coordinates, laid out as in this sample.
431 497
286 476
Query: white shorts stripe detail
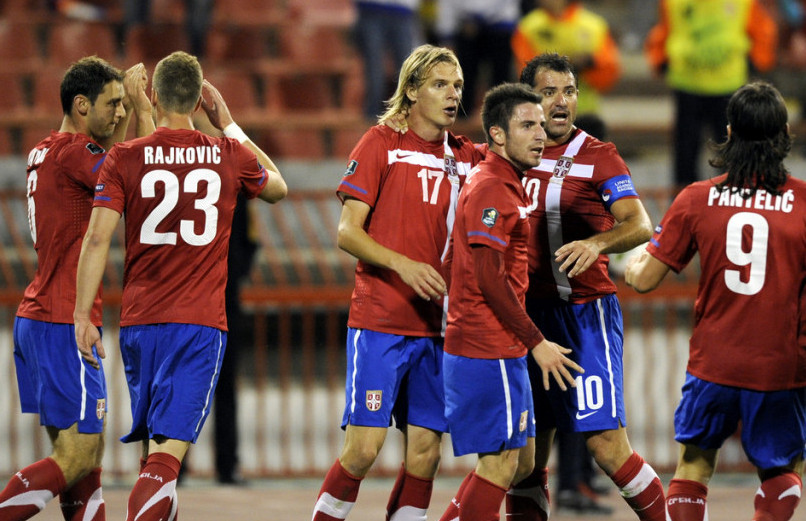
82 372
603 327
507 397
355 369
331 506
212 381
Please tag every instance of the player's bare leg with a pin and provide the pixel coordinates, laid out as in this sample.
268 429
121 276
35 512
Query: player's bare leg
411 493
638 483
688 490
340 487
529 498
75 455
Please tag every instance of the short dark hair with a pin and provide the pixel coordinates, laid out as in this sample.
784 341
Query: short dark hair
87 77
547 60
178 81
759 140
500 102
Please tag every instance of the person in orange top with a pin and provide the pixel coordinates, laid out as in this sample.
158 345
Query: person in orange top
706 50
568 28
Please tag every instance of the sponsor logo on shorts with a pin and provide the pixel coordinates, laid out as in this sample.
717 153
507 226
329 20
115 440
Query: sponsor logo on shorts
374 400
524 420
100 408
583 416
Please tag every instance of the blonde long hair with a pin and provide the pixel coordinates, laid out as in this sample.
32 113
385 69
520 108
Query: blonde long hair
413 74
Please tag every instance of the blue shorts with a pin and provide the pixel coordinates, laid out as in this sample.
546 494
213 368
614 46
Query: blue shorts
773 422
172 371
595 333
394 376
488 403
54 381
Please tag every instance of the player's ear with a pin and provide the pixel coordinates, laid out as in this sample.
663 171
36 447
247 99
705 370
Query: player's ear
198 104
498 135
82 104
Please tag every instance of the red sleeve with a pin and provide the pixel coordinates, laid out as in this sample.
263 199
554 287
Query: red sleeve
499 294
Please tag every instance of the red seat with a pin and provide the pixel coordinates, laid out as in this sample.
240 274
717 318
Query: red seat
19 47
153 42
238 87
292 143
46 91
71 40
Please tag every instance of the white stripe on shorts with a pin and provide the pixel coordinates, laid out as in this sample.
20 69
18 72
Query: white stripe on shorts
507 397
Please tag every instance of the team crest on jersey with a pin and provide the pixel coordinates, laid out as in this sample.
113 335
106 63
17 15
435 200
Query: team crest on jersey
95 149
450 166
100 408
351 168
563 166
374 400
524 419
489 216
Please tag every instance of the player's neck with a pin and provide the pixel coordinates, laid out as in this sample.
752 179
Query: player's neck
424 128
175 121
561 140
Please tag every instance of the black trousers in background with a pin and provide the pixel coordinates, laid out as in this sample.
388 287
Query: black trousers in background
693 114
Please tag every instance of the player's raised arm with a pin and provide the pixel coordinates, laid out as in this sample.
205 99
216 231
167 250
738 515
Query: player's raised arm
220 117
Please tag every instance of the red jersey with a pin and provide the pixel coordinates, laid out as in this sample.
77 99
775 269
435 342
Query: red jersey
748 316
572 190
177 190
491 213
62 170
411 186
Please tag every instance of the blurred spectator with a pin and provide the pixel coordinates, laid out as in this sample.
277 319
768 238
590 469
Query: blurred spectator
706 50
384 26
642 15
198 15
568 28
479 31
242 248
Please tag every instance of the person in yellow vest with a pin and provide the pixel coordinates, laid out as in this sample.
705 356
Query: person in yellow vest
706 49
568 28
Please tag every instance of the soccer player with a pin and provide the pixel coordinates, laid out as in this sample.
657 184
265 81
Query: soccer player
584 205
488 399
747 361
54 382
399 194
177 188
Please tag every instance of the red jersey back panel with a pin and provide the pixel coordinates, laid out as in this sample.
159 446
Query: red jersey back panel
407 182
749 312
62 170
177 190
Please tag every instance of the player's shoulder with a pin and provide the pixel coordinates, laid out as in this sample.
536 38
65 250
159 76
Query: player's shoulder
77 147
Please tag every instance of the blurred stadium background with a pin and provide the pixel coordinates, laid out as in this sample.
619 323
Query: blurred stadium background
293 80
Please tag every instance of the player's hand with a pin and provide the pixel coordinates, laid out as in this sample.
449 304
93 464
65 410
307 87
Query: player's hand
422 277
87 336
396 122
135 81
629 270
576 257
215 107
553 362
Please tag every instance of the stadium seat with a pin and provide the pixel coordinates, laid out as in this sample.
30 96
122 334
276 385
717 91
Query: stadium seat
237 44
150 43
19 47
71 40
46 84
315 44
13 98
237 86
305 143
